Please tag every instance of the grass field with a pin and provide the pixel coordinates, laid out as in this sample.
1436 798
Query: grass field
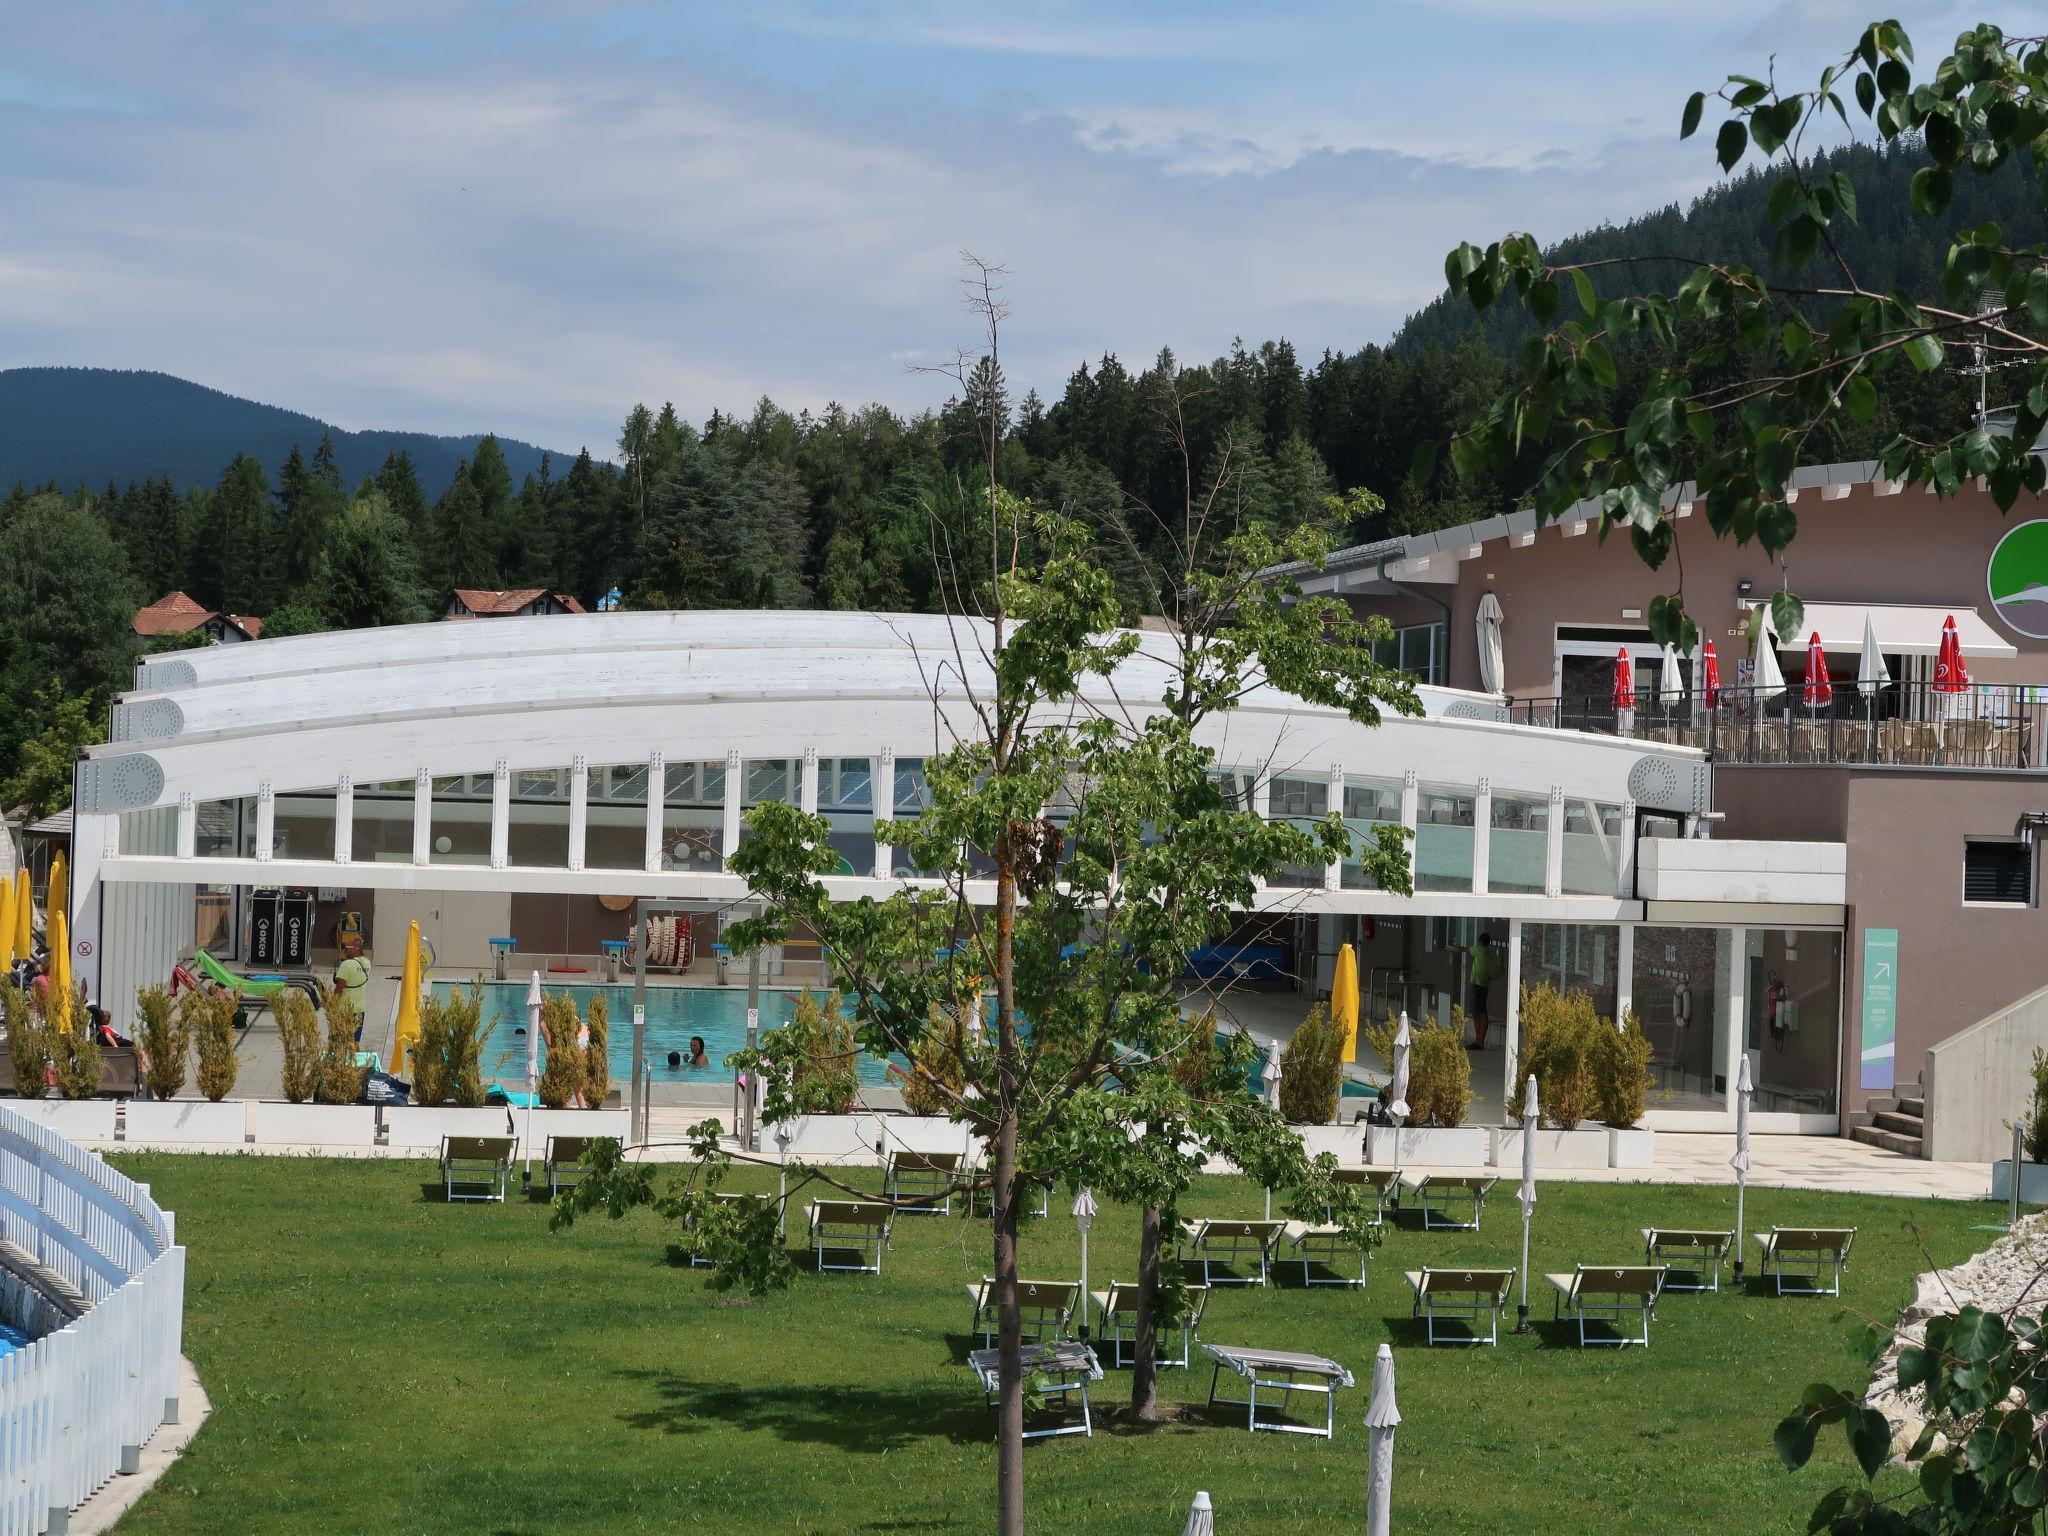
382 1362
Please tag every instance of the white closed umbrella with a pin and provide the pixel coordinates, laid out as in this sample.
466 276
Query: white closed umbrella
1744 1091
1084 1218
1381 1417
1492 665
1269 1074
533 1007
1532 1117
1670 680
1871 672
1699 682
1201 1518
1404 1044
1768 677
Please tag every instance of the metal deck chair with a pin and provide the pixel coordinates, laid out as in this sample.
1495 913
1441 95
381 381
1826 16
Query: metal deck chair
1323 1244
858 1227
1598 1293
480 1163
1063 1369
1806 1254
1046 1306
1383 1182
922 1182
1214 1240
1470 1294
1435 1193
1116 1311
1282 1371
1704 1246
562 1161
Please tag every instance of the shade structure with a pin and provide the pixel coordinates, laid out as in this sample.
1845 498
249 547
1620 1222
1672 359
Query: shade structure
24 916
1624 680
1818 691
1670 679
1397 1090
1871 672
7 955
408 1031
59 1004
1525 1195
1710 680
58 896
1201 1518
1905 629
534 1002
1382 1417
1084 1218
1745 1090
1492 662
1344 1000
1951 675
1768 678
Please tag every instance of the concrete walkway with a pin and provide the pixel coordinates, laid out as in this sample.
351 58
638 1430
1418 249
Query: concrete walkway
119 1494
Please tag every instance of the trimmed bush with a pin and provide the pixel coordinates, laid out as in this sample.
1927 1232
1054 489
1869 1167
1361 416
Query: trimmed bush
933 1083
209 1019
448 1061
340 1079
29 1042
298 1033
818 1048
1312 1071
1621 1073
561 1075
2035 1143
1439 1073
76 1047
597 1062
165 1040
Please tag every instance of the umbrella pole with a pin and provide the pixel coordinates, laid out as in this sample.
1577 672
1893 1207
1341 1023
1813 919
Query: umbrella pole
1522 1308
1741 1184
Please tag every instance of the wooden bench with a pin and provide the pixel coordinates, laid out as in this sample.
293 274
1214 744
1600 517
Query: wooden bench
1470 1294
1705 1246
1806 1254
1615 1295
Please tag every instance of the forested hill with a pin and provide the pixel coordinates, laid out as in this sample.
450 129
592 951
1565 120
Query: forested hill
1889 246
102 426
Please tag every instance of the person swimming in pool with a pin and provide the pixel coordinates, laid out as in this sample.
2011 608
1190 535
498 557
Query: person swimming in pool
697 1058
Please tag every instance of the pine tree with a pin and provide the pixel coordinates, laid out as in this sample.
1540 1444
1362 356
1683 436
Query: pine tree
400 483
464 552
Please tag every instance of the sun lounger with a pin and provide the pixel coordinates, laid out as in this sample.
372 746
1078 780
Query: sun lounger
480 1164
1471 1294
859 1227
1116 1311
1046 1307
921 1182
1282 1371
1385 1183
1320 1243
1808 1255
1214 1241
1435 1193
1615 1295
1064 1369
697 1260
563 1161
1704 1246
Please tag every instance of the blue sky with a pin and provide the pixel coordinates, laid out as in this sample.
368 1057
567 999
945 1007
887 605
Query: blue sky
524 215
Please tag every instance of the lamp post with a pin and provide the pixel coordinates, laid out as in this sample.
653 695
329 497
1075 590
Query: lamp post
1084 1218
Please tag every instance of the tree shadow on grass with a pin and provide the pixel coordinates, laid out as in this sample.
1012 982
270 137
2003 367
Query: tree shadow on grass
866 1419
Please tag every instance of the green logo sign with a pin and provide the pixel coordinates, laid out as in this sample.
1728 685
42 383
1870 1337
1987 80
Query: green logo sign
1880 1005
2017 579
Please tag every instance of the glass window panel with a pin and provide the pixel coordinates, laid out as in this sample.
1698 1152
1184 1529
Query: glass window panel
541 784
853 786
679 781
769 779
1368 804
1300 802
150 832
1592 848
538 834
380 824
1680 990
912 794
1793 997
1573 957
1444 835
461 828
1520 843
224 829
693 826
303 827
615 822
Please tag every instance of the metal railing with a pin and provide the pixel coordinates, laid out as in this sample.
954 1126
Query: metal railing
1987 725
76 1405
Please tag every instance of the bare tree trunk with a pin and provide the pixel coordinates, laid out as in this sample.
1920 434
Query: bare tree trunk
1010 1337
1145 1360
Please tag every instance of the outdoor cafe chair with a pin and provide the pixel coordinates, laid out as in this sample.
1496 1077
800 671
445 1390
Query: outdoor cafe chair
1046 1306
1621 1296
1706 1247
480 1164
1116 1311
1812 1258
1474 1295
1282 1371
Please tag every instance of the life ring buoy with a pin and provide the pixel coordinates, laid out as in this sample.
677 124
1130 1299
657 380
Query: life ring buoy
1681 1005
671 944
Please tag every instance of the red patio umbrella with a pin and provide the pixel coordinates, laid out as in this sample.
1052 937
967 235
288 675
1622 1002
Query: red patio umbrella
1819 691
1710 689
1950 675
1624 681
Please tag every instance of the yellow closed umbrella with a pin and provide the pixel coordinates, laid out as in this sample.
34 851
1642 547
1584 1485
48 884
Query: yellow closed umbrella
6 925
408 1002
1344 1000
24 916
58 1007
58 899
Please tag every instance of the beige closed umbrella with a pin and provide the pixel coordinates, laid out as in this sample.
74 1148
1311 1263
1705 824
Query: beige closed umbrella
1492 662
1201 1518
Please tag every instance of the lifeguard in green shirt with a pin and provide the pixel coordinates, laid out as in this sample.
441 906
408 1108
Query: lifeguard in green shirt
1486 966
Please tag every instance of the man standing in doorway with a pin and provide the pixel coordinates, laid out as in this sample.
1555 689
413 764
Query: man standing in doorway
1485 967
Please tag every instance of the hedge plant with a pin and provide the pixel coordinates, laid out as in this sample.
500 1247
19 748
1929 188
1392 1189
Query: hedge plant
209 1019
1312 1071
165 1039
298 1034
29 1042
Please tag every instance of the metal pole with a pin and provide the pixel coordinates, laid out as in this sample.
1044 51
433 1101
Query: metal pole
1522 1307
2018 1132
746 1125
1741 1187
642 1089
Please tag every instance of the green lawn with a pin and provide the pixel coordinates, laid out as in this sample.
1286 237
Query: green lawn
382 1362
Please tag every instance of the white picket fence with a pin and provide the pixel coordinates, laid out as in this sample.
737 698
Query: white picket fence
75 1404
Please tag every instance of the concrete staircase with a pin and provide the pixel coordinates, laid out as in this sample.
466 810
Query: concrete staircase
1897 1124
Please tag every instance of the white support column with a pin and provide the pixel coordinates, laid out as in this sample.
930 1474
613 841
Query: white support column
1737 1013
807 787
422 817
657 795
884 801
1625 971
1625 866
344 819
501 814
1262 807
188 825
579 809
94 839
1511 1047
1333 875
266 823
735 789
1482 836
1553 845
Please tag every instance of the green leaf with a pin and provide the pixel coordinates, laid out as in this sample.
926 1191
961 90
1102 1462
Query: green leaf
1930 190
1870 1438
1977 1336
1859 397
1601 360
1788 614
1845 194
1924 353
1730 142
1794 1440
1542 300
1689 121
1979 452
2030 1488
1915 1366
1589 301
1423 464
1866 93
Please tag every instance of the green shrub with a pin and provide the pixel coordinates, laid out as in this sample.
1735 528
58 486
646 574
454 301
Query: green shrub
1559 1038
1439 1073
1312 1071
1621 1073
340 1080
1196 1065
209 1020
597 1062
298 1034
76 1046
165 1041
933 1083
818 1049
561 1076
30 1043
448 1061
2036 1144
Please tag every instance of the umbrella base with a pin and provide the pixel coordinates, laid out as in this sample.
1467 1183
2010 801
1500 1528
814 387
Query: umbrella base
1522 1318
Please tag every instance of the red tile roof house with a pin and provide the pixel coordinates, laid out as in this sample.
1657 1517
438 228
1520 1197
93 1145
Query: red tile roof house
176 614
525 602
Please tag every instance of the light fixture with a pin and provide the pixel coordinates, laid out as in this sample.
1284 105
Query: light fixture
444 844
1742 587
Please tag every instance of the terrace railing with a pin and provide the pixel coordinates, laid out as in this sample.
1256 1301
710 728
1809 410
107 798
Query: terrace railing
1987 725
76 1405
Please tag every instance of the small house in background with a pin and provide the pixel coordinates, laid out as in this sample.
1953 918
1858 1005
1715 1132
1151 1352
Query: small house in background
176 614
523 603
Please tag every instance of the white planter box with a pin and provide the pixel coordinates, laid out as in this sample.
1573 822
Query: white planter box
1462 1146
410 1126
830 1138
1635 1147
74 1119
311 1125
178 1121
1586 1147
569 1122
2033 1182
1346 1143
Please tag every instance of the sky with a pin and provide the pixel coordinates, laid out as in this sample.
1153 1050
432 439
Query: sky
525 215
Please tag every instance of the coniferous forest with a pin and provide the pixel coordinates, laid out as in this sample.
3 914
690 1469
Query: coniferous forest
843 506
